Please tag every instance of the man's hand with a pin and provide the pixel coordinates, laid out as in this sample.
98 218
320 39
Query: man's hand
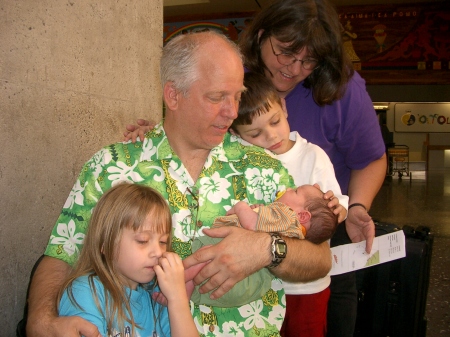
139 130
238 255
70 326
360 227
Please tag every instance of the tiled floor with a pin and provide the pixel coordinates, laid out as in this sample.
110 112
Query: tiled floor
424 200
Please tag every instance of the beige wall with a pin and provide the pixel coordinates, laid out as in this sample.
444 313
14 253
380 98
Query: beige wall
72 74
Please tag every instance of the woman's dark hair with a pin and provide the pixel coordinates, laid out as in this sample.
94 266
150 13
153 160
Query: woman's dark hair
303 23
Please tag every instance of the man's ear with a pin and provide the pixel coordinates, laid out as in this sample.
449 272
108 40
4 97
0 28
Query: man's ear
283 106
170 96
304 216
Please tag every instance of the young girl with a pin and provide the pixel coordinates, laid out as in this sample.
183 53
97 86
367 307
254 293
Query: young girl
126 246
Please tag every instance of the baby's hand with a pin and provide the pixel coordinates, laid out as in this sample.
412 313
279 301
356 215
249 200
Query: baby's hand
256 206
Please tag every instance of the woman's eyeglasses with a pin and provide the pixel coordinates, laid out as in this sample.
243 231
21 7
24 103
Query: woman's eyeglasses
288 59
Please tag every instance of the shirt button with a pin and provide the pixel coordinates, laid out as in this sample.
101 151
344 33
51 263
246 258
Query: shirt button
199 223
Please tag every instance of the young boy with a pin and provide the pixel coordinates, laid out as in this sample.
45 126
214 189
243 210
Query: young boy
262 121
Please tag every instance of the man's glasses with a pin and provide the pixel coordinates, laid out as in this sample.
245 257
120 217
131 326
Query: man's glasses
288 59
193 207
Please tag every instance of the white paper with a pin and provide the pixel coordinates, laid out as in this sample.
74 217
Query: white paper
353 256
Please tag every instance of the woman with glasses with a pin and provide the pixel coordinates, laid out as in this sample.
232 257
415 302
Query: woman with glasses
298 45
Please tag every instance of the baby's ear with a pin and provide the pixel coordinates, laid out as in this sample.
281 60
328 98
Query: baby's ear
234 133
304 216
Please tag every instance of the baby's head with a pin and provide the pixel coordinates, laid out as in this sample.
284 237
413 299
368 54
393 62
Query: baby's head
262 115
313 212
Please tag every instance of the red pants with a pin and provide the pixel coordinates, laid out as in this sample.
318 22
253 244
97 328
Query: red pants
306 315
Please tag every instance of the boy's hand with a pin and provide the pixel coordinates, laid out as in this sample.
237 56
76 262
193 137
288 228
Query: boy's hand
334 204
133 131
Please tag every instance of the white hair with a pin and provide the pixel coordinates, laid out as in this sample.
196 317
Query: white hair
180 58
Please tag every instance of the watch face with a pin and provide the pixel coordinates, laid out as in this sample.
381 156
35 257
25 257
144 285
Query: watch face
281 249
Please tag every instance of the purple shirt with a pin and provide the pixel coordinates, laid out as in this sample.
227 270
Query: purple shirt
347 130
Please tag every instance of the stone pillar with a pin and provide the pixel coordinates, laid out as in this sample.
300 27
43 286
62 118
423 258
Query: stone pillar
72 74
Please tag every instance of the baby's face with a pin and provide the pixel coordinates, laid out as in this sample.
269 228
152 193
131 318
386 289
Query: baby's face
296 198
269 130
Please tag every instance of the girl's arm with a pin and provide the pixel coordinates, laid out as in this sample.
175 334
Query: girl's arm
170 274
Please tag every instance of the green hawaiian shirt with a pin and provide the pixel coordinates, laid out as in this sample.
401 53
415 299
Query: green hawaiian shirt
232 172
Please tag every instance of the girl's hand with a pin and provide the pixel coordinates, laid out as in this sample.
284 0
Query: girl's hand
133 131
170 274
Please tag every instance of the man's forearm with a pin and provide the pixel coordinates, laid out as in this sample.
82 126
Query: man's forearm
45 285
304 262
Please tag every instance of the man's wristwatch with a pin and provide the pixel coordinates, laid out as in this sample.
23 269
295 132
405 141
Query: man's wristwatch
278 249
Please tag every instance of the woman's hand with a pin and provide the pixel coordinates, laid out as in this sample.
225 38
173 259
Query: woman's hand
133 131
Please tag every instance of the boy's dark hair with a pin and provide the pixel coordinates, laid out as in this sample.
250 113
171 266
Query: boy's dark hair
323 221
256 100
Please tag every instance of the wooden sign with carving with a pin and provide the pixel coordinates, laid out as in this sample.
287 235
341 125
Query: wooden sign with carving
388 44
399 44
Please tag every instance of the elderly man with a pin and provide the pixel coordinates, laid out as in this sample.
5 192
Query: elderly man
202 171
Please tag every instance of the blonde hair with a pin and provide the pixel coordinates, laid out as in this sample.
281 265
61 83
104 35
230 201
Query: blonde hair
123 206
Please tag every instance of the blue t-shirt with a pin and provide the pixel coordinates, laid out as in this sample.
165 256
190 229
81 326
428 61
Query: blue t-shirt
144 310
347 130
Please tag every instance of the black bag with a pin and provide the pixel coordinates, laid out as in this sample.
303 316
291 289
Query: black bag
392 296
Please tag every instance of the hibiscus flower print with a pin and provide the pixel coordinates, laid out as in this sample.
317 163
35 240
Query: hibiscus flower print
75 196
262 183
101 158
123 172
252 313
215 188
68 238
